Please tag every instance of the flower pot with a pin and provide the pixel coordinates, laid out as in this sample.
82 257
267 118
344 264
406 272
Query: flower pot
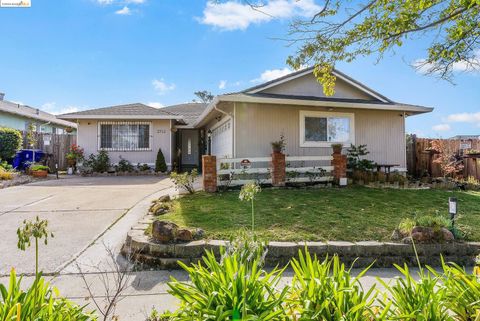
337 149
39 174
277 149
71 162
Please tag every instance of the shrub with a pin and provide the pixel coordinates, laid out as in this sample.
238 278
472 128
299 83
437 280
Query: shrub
434 221
409 299
99 163
36 168
185 180
75 153
38 302
4 175
160 165
356 160
10 142
5 166
326 291
143 167
236 288
124 166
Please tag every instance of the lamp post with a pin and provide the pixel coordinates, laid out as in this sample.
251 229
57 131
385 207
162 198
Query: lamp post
209 140
452 208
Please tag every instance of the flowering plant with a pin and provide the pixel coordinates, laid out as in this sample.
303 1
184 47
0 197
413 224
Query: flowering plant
75 152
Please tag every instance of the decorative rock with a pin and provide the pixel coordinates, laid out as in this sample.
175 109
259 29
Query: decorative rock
184 235
164 231
396 235
447 235
423 234
164 198
198 234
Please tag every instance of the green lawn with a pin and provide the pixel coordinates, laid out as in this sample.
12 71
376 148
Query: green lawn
350 214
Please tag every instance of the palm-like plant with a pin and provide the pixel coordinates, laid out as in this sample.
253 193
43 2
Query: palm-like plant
236 288
326 291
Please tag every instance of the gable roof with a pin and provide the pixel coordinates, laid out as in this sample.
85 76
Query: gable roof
189 111
303 72
128 111
33 113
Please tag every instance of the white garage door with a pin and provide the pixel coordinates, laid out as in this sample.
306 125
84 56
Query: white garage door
222 140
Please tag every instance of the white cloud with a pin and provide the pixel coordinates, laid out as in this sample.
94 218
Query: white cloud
52 108
464 118
441 127
472 65
125 11
222 84
272 74
155 104
233 15
136 1
104 2
161 86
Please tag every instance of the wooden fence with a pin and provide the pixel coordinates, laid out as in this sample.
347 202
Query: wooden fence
55 146
420 160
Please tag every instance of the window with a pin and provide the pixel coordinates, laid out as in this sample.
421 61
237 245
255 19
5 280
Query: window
321 129
124 136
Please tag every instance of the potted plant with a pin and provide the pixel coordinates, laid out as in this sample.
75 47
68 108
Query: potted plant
74 155
337 148
279 146
39 171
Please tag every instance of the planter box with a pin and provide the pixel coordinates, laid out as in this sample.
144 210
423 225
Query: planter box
39 174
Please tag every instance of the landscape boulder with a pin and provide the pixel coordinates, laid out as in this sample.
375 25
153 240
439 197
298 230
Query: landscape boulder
164 231
184 235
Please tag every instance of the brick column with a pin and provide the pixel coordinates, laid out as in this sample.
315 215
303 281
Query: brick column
339 163
209 173
278 169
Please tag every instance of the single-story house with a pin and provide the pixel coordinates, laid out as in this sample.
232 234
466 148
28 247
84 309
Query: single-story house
243 124
17 116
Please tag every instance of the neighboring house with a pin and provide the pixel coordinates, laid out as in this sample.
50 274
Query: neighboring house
243 124
20 117
465 137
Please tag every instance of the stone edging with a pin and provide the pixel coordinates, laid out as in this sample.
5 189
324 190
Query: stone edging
382 254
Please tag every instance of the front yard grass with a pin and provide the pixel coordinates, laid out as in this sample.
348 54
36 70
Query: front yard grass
348 214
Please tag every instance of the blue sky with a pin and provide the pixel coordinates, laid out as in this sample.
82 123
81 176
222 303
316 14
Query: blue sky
77 54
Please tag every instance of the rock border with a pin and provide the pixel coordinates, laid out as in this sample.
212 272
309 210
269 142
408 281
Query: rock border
147 253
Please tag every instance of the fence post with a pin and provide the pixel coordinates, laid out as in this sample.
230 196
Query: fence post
339 163
278 169
209 172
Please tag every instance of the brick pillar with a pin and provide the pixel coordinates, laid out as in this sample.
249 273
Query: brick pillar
278 169
339 163
209 172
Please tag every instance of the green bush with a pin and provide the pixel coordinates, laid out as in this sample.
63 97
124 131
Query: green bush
38 302
160 165
5 166
433 221
98 163
10 142
185 180
124 166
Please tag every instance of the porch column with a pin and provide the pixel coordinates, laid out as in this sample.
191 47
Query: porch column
339 163
209 172
278 169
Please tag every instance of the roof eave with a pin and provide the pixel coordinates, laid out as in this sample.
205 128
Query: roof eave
47 120
142 117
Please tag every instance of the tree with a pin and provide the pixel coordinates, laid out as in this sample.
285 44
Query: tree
205 96
160 165
447 157
343 31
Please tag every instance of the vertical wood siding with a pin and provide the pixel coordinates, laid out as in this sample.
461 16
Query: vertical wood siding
259 124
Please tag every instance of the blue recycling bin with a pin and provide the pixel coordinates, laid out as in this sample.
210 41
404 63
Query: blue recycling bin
25 156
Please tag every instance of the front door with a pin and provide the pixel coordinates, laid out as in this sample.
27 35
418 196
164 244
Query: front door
190 149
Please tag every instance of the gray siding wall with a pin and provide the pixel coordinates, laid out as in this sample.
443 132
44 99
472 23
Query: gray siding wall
309 86
256 125
161 138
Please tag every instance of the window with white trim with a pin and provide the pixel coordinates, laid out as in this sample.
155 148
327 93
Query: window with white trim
124 136
322 129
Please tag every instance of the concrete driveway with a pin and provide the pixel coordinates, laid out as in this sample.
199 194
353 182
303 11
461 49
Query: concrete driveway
79 211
